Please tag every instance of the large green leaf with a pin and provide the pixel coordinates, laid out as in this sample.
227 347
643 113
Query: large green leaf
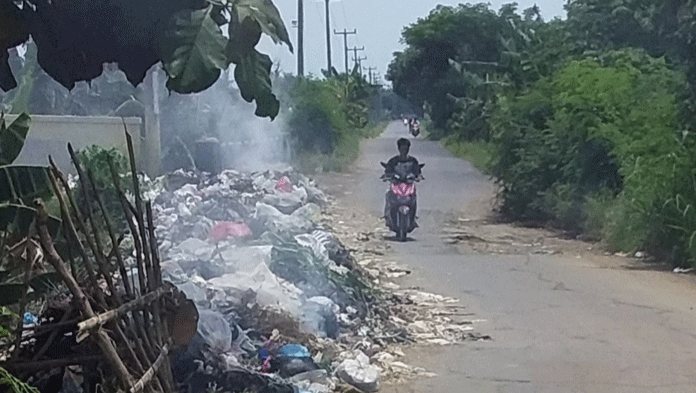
20 217
193 51
252 73
12 138
14 30
267 15
23 183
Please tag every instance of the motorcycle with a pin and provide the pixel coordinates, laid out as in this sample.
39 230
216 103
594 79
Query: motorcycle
401 198
415 129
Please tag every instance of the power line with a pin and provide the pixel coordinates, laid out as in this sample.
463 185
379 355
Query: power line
345 33
369 71
355 50
358 61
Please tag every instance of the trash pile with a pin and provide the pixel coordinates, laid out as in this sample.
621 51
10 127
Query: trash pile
278 295
281 300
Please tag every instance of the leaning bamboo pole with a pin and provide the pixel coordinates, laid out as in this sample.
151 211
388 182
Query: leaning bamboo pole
102 339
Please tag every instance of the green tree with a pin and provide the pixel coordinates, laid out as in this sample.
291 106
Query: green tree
74 39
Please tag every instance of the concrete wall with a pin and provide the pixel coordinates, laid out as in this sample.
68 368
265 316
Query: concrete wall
49 135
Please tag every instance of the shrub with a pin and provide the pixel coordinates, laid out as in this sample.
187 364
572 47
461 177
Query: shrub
603 125
95 159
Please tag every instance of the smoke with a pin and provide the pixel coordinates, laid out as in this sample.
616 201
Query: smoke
248 143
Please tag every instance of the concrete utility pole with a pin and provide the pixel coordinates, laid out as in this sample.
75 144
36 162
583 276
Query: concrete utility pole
355 50
300 38
358 61
378 78
369 70
345 34
328 39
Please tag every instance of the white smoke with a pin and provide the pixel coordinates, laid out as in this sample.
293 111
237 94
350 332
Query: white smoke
248 142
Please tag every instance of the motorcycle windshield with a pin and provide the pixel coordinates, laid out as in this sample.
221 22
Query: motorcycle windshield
403 189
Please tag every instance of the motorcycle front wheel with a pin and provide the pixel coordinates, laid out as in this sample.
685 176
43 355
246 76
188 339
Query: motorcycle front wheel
402 225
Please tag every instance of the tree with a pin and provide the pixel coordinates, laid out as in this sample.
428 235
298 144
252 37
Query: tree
74 39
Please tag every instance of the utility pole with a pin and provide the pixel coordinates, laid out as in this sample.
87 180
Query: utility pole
378 78
358 61
369 70
328 39
345 34
300 38
355 50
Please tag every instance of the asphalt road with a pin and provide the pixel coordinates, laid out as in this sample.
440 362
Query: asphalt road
559 323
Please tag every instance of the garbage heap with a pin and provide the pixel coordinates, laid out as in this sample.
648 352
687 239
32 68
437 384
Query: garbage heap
278 294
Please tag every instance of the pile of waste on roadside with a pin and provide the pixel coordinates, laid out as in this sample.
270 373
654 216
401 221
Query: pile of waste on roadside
278 294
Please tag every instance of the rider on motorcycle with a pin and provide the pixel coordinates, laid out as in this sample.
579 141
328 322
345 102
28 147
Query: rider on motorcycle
403 164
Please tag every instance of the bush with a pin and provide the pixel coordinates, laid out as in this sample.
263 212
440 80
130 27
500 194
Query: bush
326 119
479 154
600 126
95 159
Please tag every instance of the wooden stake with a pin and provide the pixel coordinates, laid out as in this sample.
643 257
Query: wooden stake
138 303
102 339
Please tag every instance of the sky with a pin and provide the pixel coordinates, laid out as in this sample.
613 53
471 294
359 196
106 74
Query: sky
378 23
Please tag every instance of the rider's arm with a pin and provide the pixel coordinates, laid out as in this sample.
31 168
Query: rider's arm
416 166
391 164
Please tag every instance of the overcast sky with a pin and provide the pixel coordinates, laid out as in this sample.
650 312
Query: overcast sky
378 23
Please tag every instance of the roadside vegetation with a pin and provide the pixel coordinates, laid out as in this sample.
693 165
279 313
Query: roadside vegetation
585 123
327 118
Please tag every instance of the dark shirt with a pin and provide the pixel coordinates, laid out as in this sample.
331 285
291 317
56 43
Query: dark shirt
403 166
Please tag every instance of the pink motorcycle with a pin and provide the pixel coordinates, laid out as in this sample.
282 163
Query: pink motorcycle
400 207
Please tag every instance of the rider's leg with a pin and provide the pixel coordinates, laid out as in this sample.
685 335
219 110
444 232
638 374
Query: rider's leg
387 208
414 206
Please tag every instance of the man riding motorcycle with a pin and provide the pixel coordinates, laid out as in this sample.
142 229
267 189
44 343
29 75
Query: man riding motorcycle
402 170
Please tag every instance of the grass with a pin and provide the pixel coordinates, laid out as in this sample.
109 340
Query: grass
479 154
345 153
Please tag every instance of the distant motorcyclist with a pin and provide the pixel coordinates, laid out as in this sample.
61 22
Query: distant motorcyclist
402 164
414 127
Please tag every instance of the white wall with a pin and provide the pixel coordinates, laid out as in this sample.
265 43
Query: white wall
49 135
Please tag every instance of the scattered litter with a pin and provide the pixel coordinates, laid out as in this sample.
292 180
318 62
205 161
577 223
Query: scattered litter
357 371
225 229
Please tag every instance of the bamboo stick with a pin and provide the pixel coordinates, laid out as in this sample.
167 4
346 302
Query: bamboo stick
79 297
97 248
103 318
131 226
112 235
139 209
53 363
52 175
142 324
52 336
142 355
150 373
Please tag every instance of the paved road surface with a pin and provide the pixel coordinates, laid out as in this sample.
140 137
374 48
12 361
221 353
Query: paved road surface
559 323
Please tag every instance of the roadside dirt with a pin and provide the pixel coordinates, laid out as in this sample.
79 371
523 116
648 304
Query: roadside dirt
477 231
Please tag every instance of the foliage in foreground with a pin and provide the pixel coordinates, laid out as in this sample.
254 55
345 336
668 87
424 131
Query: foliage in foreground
13 383
185 36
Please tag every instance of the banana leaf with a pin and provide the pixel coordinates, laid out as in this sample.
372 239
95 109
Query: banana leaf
12 137
18 219
23 183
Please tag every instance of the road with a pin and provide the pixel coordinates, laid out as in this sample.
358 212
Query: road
559 323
